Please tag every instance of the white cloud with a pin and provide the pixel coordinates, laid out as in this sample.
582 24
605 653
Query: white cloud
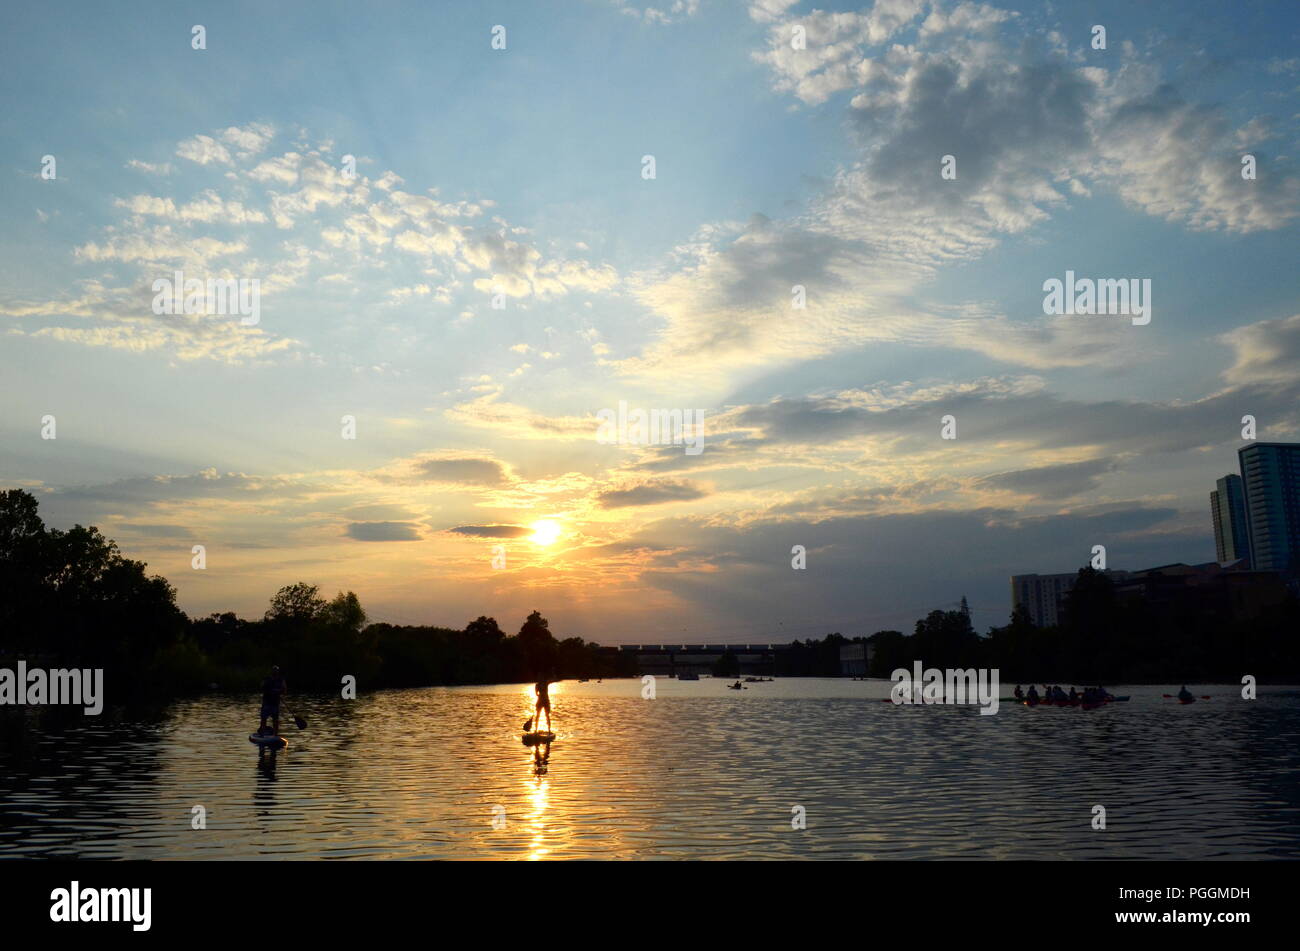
203 149
1267 352
164 168
249 140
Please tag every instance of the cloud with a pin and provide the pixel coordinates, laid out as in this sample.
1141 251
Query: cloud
999 414
1052 482
519 422
1182 162
1265 352
161 245
157 531
383 532
249 140
1029 134
282 169
163 168
469 471
671 12
492 531
649 493
203 149
207 483
208 207
877 571
766 11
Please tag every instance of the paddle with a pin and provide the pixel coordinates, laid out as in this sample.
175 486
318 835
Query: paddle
299 722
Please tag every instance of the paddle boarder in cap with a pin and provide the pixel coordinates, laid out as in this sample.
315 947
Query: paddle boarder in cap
273 688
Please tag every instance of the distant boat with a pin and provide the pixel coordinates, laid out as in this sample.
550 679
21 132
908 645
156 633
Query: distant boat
688 676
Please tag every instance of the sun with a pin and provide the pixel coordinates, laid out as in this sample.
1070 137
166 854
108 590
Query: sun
546 531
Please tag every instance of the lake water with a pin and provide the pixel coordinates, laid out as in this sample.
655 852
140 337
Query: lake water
699 772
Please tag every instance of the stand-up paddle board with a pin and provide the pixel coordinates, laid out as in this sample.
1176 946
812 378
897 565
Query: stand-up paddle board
538 736
271 742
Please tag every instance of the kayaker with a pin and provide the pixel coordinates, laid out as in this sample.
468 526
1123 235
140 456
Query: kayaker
1032 695
273 688
1184 694
1020 694
1074 695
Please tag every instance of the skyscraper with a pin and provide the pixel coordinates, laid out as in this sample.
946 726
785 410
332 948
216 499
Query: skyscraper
1228 508
1270 474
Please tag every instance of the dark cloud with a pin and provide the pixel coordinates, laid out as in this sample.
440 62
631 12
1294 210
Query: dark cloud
1059 481
492 531
384 531
881 571
157 531
650 493
1005 123
989 415
148 489
471 471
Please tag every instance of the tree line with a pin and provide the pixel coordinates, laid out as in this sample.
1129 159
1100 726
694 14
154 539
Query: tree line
1103 638
69 598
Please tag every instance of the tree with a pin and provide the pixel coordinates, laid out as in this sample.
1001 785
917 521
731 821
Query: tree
19 524
344 612
537 644
296 602
485 629
71 595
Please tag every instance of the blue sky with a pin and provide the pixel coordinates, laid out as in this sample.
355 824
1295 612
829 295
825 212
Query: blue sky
518 172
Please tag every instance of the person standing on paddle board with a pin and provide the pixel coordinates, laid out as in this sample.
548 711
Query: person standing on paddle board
543 703
273 688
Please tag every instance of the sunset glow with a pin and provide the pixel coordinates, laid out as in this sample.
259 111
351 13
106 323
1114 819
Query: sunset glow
546 532
617 361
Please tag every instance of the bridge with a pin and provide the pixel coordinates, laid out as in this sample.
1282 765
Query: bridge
669 660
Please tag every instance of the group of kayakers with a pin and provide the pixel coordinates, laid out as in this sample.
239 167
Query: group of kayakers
1052 693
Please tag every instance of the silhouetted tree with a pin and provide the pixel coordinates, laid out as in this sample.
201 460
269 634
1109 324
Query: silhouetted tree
537 644
728 665
296 602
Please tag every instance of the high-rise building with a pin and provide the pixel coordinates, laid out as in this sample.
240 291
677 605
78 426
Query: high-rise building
1231 533
1043 596
1270 475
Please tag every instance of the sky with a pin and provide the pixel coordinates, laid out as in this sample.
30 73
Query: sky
461 247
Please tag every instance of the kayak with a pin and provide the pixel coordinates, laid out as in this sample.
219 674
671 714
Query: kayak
267 741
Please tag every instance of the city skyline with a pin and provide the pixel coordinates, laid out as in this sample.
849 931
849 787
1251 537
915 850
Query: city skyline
463 259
